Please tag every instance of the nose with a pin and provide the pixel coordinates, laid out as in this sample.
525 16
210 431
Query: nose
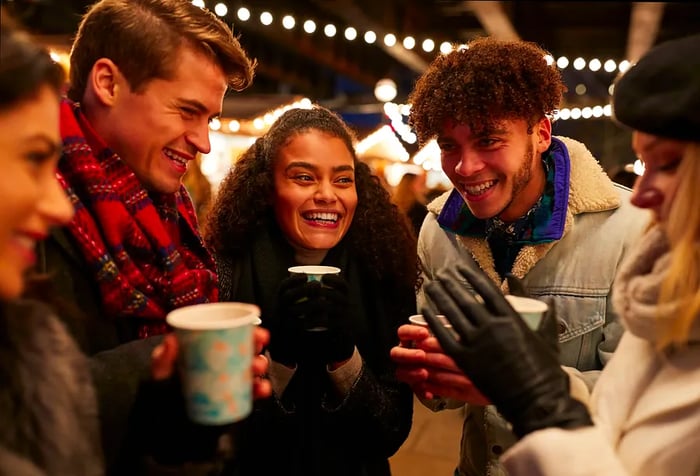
53 205
198 137
324 192
469 163
645 195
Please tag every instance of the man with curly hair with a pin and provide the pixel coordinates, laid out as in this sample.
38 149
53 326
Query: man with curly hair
524 202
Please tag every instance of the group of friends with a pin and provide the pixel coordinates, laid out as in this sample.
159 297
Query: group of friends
99 241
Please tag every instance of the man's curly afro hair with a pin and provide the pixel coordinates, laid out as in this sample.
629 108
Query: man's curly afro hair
483 83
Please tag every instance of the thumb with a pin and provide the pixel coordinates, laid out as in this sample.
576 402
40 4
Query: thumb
163 358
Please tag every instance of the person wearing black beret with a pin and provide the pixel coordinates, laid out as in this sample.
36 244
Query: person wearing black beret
643 416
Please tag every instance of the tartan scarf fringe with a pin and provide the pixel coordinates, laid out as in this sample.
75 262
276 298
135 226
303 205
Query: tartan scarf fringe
125 235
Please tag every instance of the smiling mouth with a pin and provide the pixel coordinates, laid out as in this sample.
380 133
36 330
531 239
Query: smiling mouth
175 157
325 218
476 190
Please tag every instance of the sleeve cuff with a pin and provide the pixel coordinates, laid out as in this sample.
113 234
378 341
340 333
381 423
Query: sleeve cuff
344 377
280 375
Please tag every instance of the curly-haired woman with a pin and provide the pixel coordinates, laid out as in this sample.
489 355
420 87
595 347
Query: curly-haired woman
299 196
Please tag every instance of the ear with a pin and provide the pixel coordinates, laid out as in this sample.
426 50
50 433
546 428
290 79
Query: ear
543 134
106 81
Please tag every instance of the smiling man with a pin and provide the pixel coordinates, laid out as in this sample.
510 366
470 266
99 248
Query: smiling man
146 77
524 202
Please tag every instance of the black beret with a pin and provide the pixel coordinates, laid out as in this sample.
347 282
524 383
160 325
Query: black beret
660 95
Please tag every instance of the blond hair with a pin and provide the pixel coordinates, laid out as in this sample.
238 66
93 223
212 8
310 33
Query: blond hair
682 283
143 38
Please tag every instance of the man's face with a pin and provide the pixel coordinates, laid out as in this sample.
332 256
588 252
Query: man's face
159 129
498 172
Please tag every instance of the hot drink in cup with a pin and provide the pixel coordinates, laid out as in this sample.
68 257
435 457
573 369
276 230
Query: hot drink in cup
530 310
216 351
314 273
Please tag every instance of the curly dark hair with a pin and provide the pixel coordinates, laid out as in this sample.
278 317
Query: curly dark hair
379 235
483 83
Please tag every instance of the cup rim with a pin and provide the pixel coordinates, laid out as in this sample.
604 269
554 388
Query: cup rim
313 270
419 320
250 315
528 304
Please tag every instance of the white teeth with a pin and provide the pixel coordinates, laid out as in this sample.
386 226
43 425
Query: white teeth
479 189
325 216
180 160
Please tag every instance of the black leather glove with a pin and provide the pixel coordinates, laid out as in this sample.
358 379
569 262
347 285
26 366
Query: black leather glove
510 364
312 322
328 320
284 327
548 329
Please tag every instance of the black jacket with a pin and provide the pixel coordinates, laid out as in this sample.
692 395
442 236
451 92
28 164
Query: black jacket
286 434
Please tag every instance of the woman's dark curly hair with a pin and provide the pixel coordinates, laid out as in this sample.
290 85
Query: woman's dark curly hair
379 235
484 83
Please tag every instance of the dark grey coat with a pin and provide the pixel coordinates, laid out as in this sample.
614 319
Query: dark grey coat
47 402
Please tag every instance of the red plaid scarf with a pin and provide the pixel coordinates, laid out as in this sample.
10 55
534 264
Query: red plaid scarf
129 238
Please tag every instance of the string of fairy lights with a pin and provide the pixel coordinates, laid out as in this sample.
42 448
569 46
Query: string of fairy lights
391 40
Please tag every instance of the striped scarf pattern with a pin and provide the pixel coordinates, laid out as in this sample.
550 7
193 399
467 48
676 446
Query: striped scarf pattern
130 238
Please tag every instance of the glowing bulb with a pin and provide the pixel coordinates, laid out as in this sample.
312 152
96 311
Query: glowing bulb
220 9
288 22
266 18
309 26
243 14
329 30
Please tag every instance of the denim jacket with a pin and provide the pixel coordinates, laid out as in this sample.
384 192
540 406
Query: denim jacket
573 274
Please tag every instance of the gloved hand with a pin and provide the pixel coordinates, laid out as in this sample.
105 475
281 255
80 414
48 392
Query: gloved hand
548 329
312 322
327 320
285 330
510 364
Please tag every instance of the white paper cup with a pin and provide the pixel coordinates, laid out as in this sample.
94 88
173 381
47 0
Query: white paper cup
531 310
314 273
419 320
216 352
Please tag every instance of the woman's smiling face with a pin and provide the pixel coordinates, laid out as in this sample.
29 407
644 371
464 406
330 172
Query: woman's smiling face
314 194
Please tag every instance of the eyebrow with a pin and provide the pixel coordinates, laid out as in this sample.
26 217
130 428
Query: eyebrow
201 108
54 146
306 165
480 135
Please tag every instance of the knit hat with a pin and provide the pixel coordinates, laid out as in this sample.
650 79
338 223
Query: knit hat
660 95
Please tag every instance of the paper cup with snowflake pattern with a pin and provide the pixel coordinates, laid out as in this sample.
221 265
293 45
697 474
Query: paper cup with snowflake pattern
215 358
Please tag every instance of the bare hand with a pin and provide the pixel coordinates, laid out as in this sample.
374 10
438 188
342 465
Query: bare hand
422 364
